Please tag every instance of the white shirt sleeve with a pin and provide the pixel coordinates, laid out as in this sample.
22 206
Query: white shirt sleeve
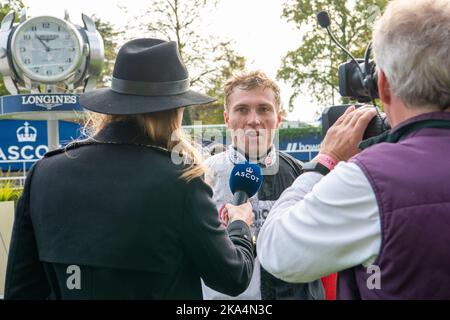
321 225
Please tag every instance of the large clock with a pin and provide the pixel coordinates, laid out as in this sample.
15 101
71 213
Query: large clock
46 49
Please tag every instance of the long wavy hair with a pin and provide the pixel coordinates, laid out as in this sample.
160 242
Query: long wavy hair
164 130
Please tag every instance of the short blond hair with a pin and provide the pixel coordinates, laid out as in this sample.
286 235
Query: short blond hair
249 81
411 43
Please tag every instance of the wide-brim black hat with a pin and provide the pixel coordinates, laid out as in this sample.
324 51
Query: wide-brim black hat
148 76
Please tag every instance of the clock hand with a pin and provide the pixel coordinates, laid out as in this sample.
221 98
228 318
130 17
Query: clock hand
47 48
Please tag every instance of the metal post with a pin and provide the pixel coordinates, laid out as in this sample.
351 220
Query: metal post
52 125
52 134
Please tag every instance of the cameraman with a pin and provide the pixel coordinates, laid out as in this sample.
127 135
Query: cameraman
387 207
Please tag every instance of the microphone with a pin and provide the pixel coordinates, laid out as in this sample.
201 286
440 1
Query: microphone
245 181
324 21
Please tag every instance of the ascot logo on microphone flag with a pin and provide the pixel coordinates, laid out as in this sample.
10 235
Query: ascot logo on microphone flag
246 177
245 181
245 170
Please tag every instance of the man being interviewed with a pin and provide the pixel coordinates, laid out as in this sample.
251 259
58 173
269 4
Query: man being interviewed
253 114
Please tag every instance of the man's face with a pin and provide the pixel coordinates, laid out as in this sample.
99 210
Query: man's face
252 117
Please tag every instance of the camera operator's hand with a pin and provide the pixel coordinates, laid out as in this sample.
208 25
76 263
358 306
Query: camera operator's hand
243 212
342 139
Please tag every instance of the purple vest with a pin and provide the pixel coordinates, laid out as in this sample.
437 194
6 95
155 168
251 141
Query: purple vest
411 181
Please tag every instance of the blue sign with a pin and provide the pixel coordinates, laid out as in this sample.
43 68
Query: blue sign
23 142
303 149
40 106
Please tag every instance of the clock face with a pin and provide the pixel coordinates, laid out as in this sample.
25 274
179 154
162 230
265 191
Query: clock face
46 49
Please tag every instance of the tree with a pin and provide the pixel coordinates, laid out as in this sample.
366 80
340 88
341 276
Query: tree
315 63
5 8
110 37
213 113
210 60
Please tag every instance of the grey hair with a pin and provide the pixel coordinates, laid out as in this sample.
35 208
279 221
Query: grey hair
411 42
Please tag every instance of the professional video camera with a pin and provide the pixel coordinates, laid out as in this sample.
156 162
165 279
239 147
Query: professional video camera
357 81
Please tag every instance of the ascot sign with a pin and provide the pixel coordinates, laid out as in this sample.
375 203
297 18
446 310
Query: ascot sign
25 133
22 140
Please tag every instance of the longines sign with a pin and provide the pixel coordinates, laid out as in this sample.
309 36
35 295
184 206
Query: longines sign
49 101
39 102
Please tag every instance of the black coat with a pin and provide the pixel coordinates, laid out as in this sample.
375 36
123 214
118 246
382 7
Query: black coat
118 211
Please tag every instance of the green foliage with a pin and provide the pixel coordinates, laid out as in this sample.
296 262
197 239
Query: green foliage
109 36
5 8
314 65
231 63
8 189
213 113
207 114
205 132
283 133
297 133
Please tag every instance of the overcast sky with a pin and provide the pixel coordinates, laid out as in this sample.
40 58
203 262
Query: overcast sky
255 26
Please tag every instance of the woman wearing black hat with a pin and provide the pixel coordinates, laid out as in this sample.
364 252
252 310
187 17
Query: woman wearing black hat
117 216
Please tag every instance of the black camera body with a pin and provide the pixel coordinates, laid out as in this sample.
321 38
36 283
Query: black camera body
376 126
357 85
